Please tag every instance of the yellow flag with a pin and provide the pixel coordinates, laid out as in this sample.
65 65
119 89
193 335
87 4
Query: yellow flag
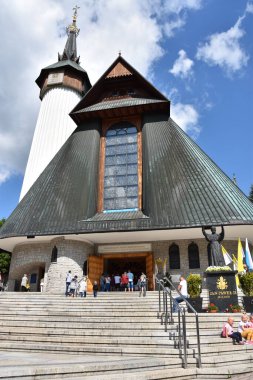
226 256
240 267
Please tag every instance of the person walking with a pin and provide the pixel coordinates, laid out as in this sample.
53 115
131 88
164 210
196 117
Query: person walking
143 285
24 283
95 289
68 281
130 276
182 287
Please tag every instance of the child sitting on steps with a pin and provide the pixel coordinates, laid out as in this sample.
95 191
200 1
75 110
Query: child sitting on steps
228 332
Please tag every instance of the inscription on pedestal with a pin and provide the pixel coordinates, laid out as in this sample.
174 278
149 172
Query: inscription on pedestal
222 289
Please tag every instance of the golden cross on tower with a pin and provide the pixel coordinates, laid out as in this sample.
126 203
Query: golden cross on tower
75 12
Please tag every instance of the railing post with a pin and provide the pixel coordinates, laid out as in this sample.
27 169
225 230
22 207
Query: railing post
198 340
163 313
179 330
184 337
171 308
159 292
166 311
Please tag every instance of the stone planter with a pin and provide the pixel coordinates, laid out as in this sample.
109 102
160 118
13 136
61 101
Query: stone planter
196 304
248 304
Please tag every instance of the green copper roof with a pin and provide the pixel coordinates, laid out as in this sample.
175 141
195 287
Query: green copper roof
182 188
127 102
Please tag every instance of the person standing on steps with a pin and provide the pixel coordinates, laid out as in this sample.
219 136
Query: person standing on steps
143 285
117 282
182 287
24 283
73 286
102 282
68 281
95 289
41 284
107 283
124 281
130 276
83 287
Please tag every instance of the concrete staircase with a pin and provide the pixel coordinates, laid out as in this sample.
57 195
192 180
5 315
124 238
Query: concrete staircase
117 334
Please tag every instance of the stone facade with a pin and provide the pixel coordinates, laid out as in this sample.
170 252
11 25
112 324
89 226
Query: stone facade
161 250
35 259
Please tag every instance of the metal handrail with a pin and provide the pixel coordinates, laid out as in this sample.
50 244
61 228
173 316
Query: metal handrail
168 317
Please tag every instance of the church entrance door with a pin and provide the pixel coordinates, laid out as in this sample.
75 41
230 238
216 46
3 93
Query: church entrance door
118 263
95 269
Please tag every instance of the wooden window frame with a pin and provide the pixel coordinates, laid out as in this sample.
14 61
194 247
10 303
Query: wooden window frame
106 124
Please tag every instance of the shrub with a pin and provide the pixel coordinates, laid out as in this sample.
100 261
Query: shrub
194 285
246 281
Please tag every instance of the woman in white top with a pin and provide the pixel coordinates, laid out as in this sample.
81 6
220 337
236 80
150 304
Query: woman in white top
83 287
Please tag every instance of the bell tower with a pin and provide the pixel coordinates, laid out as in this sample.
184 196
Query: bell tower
62 85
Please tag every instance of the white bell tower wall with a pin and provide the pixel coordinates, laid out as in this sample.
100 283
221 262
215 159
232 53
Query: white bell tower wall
54 126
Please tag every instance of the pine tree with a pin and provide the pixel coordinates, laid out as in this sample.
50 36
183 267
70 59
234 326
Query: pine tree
251 193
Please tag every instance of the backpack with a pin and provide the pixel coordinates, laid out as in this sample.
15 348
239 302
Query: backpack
223 332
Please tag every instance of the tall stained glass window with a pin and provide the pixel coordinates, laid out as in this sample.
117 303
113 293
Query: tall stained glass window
121 168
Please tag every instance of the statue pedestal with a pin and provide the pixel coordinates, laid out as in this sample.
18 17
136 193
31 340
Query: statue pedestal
222 288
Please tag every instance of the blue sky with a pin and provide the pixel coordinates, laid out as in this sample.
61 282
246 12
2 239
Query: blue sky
197 52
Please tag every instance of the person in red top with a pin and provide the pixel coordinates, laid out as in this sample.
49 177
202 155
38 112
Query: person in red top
124 281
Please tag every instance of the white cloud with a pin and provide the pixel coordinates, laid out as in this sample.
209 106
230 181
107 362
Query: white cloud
224 50
33 35
249 7
187 117
172 26
4 175
177 6
182 66
175 14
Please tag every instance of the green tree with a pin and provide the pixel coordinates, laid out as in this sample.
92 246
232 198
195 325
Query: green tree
5 260
2 222
251 193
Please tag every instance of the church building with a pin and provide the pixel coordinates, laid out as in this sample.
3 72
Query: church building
113 183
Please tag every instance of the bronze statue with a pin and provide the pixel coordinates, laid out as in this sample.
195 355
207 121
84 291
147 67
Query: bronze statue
214 239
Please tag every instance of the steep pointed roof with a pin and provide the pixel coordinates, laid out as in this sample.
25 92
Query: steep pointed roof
182 188
119 74
70 50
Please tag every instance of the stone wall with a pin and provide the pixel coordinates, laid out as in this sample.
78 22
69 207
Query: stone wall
71 256
161 250
35 258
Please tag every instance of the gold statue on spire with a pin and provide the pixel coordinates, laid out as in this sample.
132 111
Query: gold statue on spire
72 28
